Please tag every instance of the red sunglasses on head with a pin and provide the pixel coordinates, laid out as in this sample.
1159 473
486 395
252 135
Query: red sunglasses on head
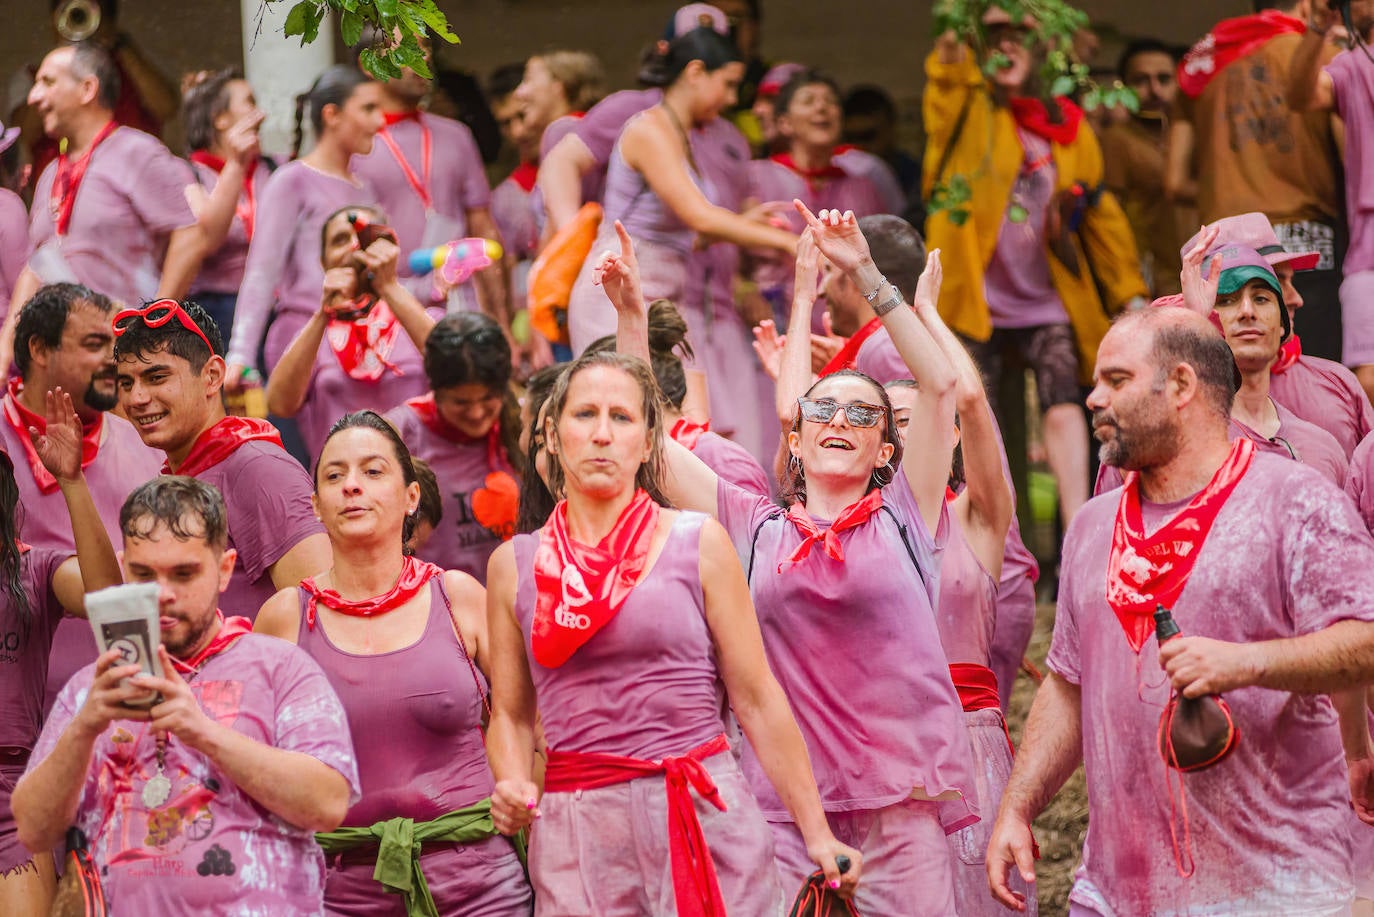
157 314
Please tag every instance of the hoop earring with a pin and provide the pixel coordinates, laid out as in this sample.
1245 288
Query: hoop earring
883 474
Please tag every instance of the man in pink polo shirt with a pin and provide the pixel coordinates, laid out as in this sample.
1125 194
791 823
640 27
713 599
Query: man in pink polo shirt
1270 575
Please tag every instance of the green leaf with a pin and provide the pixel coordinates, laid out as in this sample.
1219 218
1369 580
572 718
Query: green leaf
1130 100
387 8
436 20
379 65
298 19
351 27
1063 85
409 54
1092 99
957 217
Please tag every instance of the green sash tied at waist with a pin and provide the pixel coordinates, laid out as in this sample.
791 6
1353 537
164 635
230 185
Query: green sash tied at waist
399 841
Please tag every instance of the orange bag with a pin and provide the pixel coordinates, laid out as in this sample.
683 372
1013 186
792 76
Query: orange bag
555 271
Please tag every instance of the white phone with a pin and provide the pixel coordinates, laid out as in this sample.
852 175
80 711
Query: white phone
126 618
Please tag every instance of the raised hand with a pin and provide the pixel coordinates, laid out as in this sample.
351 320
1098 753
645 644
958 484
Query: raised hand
826 345
340 286
808 269
380 259
1200 293
618 274
242 138
178 713
838 236
59 446
928 287
768 347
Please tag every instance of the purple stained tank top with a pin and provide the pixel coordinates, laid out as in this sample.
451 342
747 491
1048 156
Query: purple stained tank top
646 685
966 612
630 200
415 717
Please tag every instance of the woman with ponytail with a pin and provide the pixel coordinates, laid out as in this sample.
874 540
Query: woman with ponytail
283 275
404 644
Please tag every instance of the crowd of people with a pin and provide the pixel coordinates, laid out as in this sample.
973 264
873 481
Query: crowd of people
638 536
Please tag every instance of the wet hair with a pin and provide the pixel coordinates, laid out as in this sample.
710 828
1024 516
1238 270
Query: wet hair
91 60
868 99
579 73
377 214
44 317
651 473
333 87
667 339
139 339
897 249
664 62
504 80
799 81
371 420
187 507
11 561
536 503
1145 46
794 475
1206 352
431 507
468 348
202 101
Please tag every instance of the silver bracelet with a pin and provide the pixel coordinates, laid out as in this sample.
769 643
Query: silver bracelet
876 290
892 302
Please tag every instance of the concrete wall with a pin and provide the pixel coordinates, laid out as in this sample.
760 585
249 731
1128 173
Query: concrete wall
881 41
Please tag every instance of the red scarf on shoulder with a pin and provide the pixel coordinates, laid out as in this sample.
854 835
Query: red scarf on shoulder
848 354
1033 116
582 587
364 346
230 630
853 516
222 440
21 418
1289 353
1228 41
686 432
1143 572
415 575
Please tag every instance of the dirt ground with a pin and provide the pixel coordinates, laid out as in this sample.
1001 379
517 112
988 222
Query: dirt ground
1059 829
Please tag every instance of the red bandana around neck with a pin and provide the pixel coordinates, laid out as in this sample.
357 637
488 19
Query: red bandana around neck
396 117
364 347
66 181
812 176
848 355
21 418
687 432
230 630
428 412
1289 353
853 516
525 176
1228 41
247 206
1143 572
220 441
582 587
415 575
1034 116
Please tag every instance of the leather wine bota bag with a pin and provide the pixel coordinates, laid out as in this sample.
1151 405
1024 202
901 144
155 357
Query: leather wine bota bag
1197 732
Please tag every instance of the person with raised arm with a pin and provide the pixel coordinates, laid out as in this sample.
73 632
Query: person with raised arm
848 572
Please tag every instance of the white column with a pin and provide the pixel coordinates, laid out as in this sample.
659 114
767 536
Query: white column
280 69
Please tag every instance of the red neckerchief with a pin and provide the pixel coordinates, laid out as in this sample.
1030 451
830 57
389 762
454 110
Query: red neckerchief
696 889
415 575
1142 572
67 180
849 353
812 176
364 346
1034 116
582 587
23 548
220 441
686 432
247 208
428 412
21 418
525 176
1228 41
1289 353
418 183
230 630
853 516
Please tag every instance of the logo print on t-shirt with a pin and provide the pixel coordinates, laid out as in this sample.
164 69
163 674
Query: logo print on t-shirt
217 862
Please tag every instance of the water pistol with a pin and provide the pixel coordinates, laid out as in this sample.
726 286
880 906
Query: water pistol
456 261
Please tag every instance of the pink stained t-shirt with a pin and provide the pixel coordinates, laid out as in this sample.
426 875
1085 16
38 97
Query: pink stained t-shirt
283 277
600 128
646 685
1359 483
966 613
879 174
14 244
222 269
733 463
131 199
210 849
1302 441
461 541
26 642
1352 79
1287 556
855 647
267 502
457 183
1327 394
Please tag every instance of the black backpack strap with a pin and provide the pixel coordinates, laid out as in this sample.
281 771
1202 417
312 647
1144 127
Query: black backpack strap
754 542
906 543
778 514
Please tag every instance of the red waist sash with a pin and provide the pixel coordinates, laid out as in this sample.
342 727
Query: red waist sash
977 688
694 876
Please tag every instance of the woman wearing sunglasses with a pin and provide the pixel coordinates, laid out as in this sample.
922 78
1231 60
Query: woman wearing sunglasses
844 581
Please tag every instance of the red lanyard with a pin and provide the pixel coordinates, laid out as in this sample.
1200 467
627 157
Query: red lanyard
421 188
68 178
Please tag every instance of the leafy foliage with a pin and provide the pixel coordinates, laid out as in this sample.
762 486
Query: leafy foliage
411 20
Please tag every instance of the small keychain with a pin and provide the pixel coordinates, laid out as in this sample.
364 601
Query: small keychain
158 787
